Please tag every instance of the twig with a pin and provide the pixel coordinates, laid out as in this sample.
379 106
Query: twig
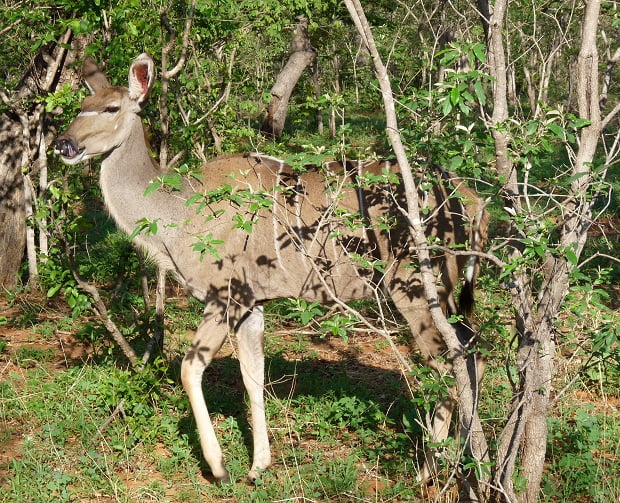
118 410
99 307
610 116
8 28
599 254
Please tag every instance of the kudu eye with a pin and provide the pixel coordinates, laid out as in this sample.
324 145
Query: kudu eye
111 110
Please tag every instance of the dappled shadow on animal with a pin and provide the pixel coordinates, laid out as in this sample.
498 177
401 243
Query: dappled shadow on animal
328 233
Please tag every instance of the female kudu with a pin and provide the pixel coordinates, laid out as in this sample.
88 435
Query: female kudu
304 239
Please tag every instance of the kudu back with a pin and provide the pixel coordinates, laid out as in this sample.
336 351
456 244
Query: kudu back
267 231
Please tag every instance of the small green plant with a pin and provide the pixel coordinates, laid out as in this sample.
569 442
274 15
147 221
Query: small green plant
577 469
338 325
29 356
207 245
303 312
337 477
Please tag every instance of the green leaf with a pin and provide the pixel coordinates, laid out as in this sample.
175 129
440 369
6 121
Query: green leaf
193 200
571 256
479 91
532 127
558 131
580 123
455 95
151 188
446 107
464 108
456 162
53 291
480 51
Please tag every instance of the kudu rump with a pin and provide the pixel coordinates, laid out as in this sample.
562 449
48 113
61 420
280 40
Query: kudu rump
268 232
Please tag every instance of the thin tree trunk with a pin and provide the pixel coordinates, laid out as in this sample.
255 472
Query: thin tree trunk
17 151
12 200
467 386
31 245
332 123
612 60
43 183
167 74
526 430
316 83
302 56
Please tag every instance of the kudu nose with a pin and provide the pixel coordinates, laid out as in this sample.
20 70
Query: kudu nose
66 147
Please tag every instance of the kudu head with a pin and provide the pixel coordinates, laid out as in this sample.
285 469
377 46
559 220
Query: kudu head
106 116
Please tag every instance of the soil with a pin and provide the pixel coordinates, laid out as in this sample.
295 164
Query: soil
61 350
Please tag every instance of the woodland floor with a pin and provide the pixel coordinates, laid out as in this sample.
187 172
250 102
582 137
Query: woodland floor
365 361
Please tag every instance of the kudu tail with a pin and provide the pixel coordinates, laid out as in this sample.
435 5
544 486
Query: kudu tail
476 220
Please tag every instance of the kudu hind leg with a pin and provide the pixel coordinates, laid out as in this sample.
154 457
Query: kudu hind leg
250 335
439 426
209 338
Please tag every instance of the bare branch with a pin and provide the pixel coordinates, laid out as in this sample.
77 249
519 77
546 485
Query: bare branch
184 44
609 117
168 74
99 306
597 255
457 352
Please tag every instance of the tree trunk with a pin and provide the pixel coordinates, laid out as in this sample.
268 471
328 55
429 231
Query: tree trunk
12 201
20 137
458 354
525 434
302 56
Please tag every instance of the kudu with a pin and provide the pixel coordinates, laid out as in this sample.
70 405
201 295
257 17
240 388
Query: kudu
305 238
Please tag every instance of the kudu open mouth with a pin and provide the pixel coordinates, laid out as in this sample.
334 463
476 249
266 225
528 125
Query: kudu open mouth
68 150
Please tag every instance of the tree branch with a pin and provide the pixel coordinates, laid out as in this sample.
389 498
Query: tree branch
457 351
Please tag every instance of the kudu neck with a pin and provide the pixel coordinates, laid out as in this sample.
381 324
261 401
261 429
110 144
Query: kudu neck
131 159
126 174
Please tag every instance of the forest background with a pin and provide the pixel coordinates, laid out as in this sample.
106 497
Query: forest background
520 99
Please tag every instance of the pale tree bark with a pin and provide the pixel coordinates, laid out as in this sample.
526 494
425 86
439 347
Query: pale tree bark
316 83
12 201
612 61
333 109
535 354
167 73
524 437
302 56
31 244
457 352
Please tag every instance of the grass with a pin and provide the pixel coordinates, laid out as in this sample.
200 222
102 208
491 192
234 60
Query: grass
343 424
155 455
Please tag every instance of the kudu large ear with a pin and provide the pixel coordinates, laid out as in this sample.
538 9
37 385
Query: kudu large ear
93 77
141 77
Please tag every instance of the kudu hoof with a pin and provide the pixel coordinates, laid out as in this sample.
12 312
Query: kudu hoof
254 475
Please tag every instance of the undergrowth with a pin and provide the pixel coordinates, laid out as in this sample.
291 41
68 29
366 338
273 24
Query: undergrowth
340 430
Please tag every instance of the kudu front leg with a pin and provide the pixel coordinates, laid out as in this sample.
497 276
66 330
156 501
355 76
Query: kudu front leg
250 334
209 338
